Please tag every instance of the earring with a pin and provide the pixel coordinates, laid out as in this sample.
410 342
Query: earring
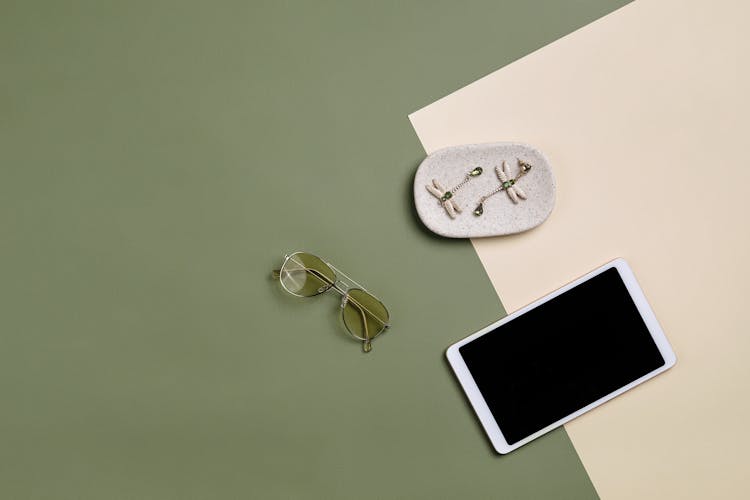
508 185
445 197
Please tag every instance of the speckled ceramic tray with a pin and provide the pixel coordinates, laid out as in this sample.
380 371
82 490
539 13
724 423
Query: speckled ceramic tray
505 212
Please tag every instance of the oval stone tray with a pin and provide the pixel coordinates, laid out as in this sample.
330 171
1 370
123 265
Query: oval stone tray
499 214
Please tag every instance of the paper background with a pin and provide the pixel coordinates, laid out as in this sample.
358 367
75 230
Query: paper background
644 117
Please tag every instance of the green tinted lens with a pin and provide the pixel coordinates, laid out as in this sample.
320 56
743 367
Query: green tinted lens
305 275
361 311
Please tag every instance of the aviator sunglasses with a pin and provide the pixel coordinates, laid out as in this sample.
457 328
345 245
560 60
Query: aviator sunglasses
305 275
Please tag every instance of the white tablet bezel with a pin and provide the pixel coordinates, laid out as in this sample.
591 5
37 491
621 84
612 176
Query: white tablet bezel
475 396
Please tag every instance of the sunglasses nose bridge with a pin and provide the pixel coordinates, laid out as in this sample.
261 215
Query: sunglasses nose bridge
342 289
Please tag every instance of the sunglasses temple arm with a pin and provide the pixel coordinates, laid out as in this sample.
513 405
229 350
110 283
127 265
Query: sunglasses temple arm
276 274
367 343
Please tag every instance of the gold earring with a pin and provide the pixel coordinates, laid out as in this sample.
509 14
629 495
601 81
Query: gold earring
507 184
445 196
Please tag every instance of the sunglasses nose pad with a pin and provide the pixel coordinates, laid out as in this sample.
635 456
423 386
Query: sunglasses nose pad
344 300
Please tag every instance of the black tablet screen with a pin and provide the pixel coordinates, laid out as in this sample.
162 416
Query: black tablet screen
561 356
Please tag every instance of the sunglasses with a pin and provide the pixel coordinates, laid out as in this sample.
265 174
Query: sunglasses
305 275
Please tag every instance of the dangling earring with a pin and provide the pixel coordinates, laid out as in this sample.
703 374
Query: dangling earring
507 184
445 197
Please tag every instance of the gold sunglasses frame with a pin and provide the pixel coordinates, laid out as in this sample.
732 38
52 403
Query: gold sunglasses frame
342 288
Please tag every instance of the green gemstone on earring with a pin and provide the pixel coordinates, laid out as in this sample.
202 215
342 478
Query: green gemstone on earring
479 210
447 196
476 171
506 184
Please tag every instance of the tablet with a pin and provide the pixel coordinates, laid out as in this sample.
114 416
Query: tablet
561 356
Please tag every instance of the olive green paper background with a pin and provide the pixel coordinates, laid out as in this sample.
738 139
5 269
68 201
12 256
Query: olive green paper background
156 161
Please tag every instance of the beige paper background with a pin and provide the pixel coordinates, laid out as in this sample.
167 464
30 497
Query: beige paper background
644 116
